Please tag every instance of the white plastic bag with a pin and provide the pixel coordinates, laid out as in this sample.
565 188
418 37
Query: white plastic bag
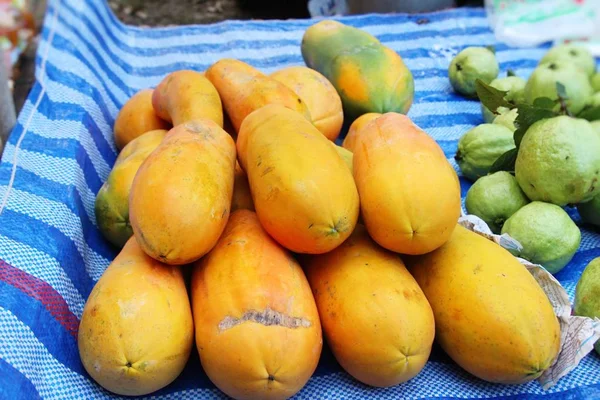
327 8
533 22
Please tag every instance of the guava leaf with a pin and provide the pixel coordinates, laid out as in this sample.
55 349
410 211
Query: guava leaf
506 162
510 72
544 102
561 91
491 97
528 114
590 113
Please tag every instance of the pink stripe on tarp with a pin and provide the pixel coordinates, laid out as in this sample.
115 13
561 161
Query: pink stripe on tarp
43 292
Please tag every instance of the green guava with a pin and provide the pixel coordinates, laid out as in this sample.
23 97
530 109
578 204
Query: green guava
480 147
469 65
559 161
578 55
494 198
515 87
542 83
596 126
547 233
593 101
590 211
587 293
508 119
596 82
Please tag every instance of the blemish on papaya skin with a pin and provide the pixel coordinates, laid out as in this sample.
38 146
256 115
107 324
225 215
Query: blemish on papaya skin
477 269
266 171
267 317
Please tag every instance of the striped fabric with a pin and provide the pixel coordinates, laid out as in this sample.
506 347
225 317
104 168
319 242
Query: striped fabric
62 149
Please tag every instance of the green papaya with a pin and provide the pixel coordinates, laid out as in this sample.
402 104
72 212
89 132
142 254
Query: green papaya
368 76
480 147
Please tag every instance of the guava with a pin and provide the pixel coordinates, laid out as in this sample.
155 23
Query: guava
559 161
469 65
593 101
542 83
578 55
514 85
547 233
596 82
508 119
480 147
587 293
494 198
596 126
590 211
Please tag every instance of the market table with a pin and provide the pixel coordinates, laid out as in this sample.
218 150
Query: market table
62 149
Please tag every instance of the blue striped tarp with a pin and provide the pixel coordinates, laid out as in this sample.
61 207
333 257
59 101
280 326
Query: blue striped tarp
62 149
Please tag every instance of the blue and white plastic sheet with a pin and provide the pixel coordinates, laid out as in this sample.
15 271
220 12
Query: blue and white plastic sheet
62 149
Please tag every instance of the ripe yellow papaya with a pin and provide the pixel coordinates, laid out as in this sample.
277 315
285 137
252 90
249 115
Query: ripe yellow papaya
356 126
345 154
136 331
186 95
375 316
368 76
242 198
258 331
112 201
302 189
181 195
136 117
409 192
244 89
491 316
319 95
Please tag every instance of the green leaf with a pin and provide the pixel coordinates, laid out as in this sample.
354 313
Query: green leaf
491 97
528 115
544 102
506 162
510 72
561 91
590 113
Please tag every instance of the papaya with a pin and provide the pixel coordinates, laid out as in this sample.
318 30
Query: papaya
181 195
376 319
356 126
319 95
244 89
136 331
345 154
368 76
186 95
112 201
241 198
303 191
258 331
409 193
492 317
137 117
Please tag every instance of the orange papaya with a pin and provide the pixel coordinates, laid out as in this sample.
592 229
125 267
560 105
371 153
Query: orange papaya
136 117
187 95
409 192
181 195
319 95
244 89
302 189
258 331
